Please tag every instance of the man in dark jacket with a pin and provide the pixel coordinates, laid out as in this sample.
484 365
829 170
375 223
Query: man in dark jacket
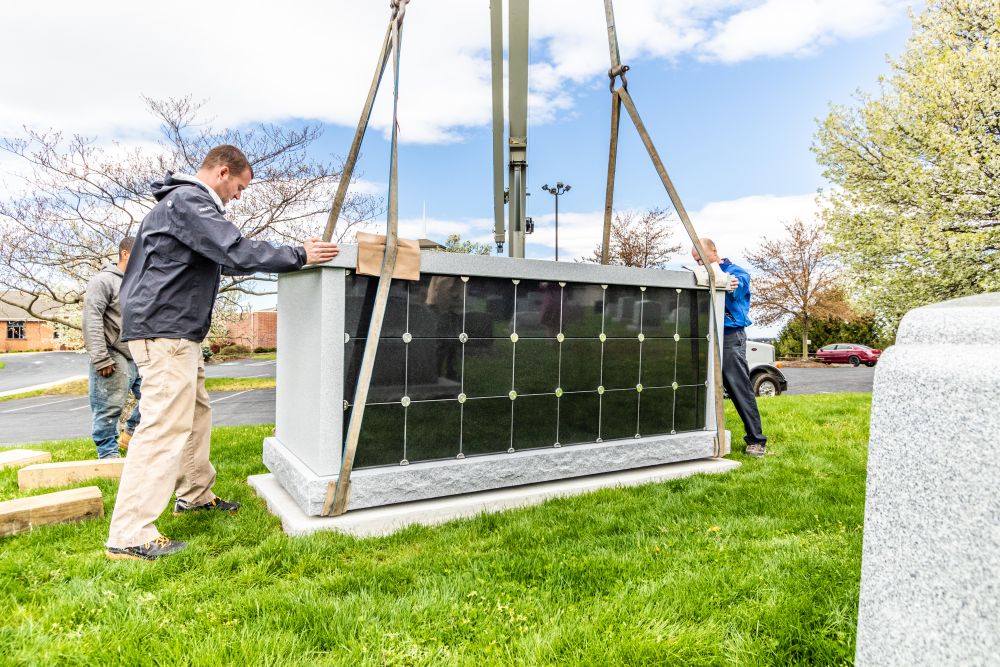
113 374
735 371
183 245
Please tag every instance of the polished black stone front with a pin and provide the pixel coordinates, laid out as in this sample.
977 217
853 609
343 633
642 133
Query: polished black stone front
469 366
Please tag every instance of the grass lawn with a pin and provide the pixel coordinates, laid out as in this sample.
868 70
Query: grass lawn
758 566
80 387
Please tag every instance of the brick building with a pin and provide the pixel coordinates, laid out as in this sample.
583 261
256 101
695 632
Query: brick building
258 328
19 331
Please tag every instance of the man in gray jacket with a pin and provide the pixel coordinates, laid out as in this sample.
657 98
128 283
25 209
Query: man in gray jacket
183 246
113 374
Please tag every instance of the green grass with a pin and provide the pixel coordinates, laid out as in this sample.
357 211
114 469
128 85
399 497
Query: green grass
758 566
238 384
80 387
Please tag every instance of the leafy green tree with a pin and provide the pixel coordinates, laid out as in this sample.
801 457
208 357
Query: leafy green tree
915 216
456 244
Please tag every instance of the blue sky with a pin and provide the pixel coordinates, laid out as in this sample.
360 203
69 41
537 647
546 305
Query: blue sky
726 132
729 89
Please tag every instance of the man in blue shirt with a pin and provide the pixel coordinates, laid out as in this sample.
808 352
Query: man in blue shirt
735 372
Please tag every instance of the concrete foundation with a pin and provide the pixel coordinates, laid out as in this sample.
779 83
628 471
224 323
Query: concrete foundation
384 520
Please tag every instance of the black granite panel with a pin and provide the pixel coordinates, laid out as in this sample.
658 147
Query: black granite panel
656 411
538 309
489 307
359 297
621 363
434 368
536 366
692 361
436 304
578 418
689 411
534 421
619 414
582 306
581 365
388 376
659 312
381 440
488 367
658 362
692 314
486 426
621 311
433 430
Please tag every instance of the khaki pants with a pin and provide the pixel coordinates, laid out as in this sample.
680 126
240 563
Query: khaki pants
170 449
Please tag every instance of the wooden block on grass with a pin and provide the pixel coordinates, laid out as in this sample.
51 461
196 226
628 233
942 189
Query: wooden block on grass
68 472
24 514
17 458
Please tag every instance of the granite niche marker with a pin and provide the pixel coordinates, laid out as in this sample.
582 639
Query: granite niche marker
930 572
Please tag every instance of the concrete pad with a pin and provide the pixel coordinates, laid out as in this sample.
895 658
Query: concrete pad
16 458
388 519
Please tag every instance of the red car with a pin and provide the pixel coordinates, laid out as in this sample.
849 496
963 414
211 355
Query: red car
846 353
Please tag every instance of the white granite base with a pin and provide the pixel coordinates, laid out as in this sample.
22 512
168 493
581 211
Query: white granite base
385 520
374 487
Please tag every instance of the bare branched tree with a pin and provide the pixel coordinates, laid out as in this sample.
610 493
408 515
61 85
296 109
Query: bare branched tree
797 277
70 201
640 240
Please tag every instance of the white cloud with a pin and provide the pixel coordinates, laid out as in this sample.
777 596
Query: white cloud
796 27
736 225
83 67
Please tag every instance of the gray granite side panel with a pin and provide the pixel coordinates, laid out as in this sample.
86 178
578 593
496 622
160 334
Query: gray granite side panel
373 487
297 403
930 574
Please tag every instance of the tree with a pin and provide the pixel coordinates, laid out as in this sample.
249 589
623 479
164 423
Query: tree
456 244
916 215
639 240
75 200
862 330
797 277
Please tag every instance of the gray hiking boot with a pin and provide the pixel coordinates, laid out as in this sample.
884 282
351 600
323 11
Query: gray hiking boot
755 450
158 548
217 504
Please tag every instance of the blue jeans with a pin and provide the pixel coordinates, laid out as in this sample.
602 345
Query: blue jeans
107 398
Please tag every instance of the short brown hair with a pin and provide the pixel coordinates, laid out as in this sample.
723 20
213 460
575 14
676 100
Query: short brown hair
229 156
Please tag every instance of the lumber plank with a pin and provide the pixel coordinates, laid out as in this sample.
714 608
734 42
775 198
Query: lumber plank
18 458
25 514
42 475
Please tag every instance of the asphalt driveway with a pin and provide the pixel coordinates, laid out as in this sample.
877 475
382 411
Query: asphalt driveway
29 369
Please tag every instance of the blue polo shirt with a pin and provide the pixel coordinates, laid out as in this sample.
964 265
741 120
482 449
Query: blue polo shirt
737 301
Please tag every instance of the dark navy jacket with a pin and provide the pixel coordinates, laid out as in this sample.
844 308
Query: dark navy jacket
181 248
737 301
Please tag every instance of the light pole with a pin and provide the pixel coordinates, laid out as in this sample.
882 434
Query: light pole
560 189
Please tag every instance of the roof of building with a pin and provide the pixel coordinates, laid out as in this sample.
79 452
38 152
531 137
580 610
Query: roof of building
14 312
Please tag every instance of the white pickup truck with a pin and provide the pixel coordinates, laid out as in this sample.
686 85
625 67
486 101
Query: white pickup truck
765 378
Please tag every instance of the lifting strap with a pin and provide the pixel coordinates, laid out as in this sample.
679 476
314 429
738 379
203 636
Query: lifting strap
337 492
621 96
